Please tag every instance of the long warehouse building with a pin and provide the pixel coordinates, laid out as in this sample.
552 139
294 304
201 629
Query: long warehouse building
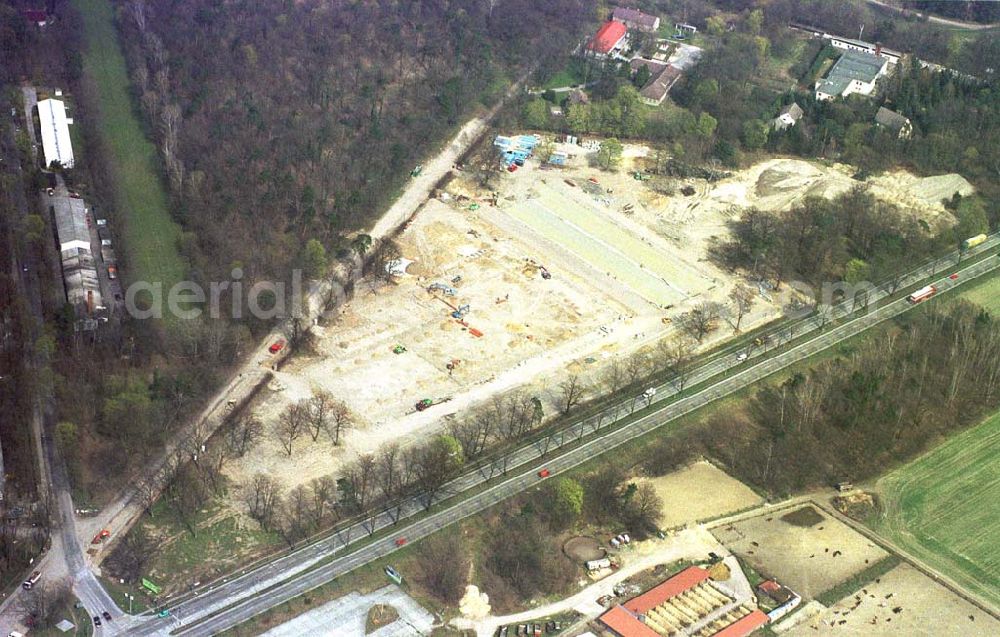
83 289
56 144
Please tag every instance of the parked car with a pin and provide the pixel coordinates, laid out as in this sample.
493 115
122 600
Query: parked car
277 346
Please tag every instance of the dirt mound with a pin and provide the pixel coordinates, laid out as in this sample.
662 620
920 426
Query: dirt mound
797 179
474 604
583 549
927 190
805 517
380 615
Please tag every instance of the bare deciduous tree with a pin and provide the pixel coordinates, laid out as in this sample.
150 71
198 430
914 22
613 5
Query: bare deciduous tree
324 492
701 320
262 496
290 425
570 392
742 297
339 421
319 412
359 481
242 433
678 355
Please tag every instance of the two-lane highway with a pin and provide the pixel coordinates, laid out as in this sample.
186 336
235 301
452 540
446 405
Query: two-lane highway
227 603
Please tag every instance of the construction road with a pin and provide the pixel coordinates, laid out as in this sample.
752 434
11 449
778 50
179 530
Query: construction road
227 603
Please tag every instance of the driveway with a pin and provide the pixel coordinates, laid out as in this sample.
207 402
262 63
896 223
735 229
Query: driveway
346 616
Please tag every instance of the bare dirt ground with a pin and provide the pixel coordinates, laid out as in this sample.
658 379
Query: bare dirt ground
903 602
810 559
700 491
621 261
780 183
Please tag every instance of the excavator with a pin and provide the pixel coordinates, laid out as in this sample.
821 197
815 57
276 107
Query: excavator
427 403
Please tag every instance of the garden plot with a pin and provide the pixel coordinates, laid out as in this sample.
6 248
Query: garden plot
804 548
904 602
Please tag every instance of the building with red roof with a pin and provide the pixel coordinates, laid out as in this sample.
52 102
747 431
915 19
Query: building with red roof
38 16
608 39
744 625
688 603
686 579
625 624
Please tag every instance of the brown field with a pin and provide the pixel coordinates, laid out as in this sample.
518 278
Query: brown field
808 559
925 609
700 491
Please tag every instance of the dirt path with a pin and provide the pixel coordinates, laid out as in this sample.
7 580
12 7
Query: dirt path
420 188
968 26
123 511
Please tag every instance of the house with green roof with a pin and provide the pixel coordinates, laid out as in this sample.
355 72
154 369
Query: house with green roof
854 72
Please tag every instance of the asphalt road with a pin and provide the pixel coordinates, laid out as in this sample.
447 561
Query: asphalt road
227 603
64 560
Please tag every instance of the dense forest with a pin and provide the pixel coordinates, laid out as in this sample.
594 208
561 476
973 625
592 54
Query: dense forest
968 10
876 404
291 120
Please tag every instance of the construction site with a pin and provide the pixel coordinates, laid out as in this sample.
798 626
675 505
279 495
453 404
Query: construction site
550 270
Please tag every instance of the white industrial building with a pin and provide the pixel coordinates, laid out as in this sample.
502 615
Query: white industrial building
56 143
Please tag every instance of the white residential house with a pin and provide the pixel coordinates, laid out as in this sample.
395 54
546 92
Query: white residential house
789 116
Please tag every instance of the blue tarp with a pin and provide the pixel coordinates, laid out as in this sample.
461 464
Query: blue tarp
517 148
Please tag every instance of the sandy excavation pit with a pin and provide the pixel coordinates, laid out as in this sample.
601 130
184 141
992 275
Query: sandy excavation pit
643 258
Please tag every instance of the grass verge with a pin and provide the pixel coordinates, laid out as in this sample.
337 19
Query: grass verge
140 197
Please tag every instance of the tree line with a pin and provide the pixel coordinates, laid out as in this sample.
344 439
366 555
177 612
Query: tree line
873 406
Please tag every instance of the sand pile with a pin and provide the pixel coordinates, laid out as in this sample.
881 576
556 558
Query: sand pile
474 605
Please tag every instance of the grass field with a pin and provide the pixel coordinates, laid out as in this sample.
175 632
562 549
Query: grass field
986 294
151 234
945 508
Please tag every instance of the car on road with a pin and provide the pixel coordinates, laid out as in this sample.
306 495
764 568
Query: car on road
100 537
953 276
544 473
400 541
277 346
97 620
106 615
742 356
163 613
